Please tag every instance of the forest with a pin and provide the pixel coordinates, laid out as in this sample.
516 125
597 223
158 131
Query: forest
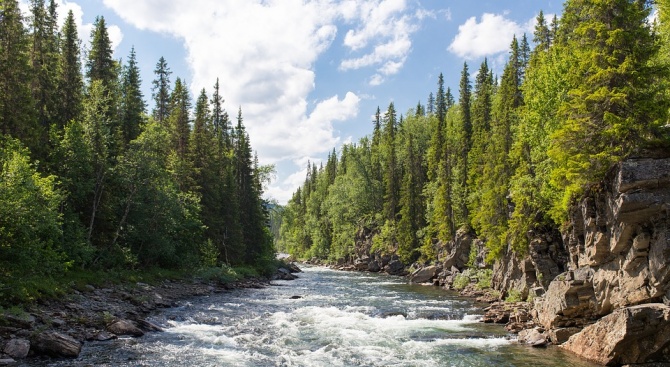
500 156
92 183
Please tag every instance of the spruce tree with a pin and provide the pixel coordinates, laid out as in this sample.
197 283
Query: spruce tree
390 168
44 62
464 100
100 64
70 81
132 106
16 102
161 91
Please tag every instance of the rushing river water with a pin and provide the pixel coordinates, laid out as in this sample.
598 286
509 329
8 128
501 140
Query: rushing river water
340 319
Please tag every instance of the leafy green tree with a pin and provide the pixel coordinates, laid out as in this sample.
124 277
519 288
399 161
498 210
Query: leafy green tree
30 223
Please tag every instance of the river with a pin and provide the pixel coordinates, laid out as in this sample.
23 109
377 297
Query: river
324 318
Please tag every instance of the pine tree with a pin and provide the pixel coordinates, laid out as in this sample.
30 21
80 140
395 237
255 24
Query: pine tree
390 168
44 62
481 129
100 64
70 83
132 106
464 100
220 119
430 104
542 34
16 102
161 91
440 100
179 120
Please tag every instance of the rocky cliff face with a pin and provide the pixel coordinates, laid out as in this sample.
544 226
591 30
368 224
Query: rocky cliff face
618 246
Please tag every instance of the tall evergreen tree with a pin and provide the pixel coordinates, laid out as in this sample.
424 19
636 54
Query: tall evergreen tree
465 93
430 104
132 106
179 121
390 169
44 62
16 102
161 91
100 64
70 81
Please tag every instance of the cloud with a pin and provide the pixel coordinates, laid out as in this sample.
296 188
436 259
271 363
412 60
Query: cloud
492 35
384 37
264 53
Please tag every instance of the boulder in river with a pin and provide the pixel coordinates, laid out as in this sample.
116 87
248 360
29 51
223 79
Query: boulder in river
425 274
395 267
636 334
56 344
17 348
125 327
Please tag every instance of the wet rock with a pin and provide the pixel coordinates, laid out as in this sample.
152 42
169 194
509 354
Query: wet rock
374 266
56 344
395 267
17 348
636 334
423 275
24 321
100 336
497 313
362 263
560 336
295 297
535 337
6 361
125 327
284 274
148 326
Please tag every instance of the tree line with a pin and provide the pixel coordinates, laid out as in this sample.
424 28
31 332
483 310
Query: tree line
90 180
507 157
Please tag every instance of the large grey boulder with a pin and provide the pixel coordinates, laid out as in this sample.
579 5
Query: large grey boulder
125 327
17 348
55 344
636 334
425 274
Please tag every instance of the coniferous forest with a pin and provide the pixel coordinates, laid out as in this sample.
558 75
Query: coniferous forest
499 156
91 181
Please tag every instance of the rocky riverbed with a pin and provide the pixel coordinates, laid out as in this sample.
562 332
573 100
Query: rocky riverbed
58 327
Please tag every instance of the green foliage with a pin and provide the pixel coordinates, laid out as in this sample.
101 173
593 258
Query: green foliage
513 295
461 280
484 278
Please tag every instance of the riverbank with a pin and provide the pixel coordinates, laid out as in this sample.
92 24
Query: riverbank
59 327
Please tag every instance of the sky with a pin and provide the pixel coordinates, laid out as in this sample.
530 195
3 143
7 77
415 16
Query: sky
310 74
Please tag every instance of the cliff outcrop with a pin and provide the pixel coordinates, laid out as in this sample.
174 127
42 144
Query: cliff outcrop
618 271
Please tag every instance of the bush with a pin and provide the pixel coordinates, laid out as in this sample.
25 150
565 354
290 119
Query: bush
484 278
514 295
461 281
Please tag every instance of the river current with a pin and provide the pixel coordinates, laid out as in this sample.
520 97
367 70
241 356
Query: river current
324 318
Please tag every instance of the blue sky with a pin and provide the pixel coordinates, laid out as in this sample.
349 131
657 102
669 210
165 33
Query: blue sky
309 74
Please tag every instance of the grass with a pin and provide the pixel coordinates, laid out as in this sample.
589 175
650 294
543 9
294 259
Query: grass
28 290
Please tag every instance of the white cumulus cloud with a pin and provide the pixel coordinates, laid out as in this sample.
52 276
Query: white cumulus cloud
491 35
264 54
